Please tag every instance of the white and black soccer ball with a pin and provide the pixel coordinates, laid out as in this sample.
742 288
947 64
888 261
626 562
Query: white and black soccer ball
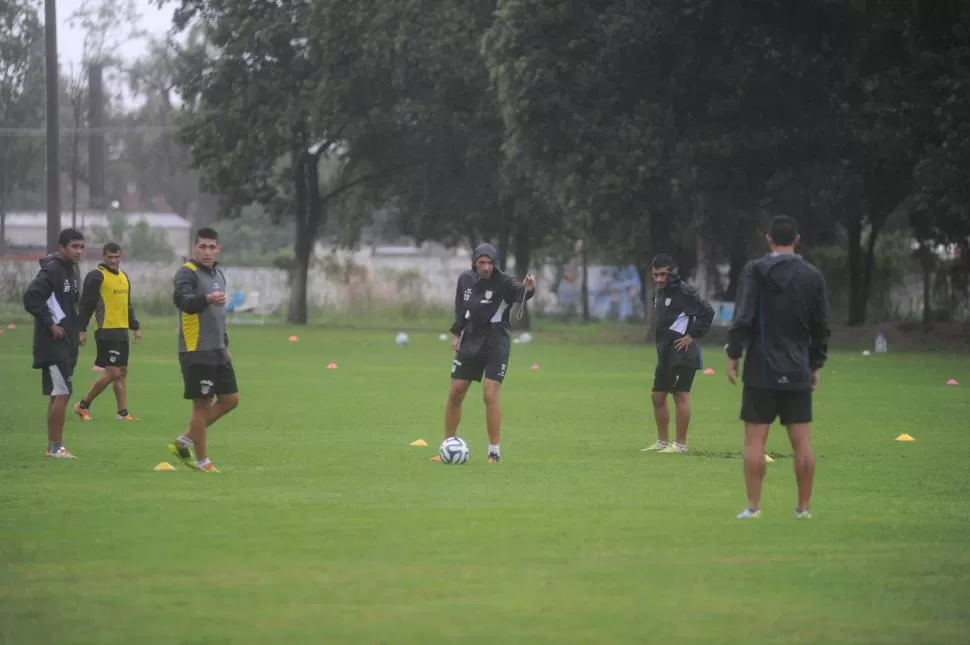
453 450
401 339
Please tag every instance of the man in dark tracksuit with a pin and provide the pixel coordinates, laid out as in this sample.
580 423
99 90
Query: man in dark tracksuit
207 371
680 317
52 299
781 323
482 339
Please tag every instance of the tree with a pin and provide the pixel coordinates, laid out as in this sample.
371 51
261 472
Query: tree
21 100
273 118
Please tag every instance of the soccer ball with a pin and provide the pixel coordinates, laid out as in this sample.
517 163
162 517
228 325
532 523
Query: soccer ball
453 450
401 339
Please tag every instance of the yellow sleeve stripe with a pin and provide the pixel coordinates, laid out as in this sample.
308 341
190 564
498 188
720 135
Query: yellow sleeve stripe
190 266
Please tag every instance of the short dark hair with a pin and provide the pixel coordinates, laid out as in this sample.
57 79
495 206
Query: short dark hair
69 235
111 247
206 233
663 260
783 230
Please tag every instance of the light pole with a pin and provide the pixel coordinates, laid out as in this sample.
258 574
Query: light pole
53 131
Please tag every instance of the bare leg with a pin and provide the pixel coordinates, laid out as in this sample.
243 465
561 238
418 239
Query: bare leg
755 438
682 406
56 409
800 435
108 376
661 414
121 389
493 411
204 414
456 394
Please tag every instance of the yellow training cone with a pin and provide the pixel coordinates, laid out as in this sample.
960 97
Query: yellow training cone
164 466
905 437
420 443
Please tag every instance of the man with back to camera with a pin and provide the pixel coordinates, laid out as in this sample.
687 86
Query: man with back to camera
207 371
781 324
107 296
52 299
481 340
681 317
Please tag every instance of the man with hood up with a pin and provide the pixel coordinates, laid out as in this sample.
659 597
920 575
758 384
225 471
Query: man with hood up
52 299
681 317
781 324
481 339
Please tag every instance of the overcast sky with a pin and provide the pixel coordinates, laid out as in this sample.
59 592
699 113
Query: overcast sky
70 41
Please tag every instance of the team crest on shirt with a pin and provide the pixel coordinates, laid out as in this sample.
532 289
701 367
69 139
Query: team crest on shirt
488 295
667 302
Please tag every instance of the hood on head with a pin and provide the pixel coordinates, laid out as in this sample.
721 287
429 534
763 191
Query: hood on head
485 250
777 271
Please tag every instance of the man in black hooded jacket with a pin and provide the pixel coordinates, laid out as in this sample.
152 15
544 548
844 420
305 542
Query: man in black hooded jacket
781 325
52 299
481 339
680 317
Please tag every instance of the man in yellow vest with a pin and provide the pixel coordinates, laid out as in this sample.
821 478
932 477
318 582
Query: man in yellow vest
107 295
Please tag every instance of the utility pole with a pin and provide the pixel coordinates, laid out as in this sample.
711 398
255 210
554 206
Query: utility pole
53 131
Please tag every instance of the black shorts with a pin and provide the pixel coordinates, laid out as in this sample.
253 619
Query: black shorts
202 381
762 406
679 378
492 368
57 379
112 353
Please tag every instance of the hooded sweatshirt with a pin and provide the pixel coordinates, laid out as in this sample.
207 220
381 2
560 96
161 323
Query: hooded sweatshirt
679 310
483 307
52 299
780 323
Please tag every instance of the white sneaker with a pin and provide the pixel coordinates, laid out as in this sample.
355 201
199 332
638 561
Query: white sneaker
660 445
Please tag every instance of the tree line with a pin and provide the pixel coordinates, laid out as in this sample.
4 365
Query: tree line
633 126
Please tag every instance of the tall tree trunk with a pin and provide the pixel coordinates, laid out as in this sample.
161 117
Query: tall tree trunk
737 258
925 254
584 285
523 258
857 311
869 262
303 247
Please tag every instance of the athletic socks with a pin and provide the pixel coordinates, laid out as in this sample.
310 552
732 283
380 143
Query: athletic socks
53 447
123 412
493 449
185 442
83 404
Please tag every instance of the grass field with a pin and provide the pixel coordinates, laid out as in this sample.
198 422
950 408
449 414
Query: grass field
325 526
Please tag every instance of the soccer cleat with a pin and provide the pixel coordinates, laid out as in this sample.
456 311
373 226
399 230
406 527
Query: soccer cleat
659 446
62 453
208 468
803 514
182 453
82 413
749 513
674 448
494 458
125 418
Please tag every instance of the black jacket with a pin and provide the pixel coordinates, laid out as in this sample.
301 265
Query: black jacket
679 310
482 310
52 298
781 322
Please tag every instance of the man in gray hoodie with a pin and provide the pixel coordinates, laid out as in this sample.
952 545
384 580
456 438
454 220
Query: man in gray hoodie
481 339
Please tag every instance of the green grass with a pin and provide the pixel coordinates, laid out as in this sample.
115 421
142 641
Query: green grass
326 527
